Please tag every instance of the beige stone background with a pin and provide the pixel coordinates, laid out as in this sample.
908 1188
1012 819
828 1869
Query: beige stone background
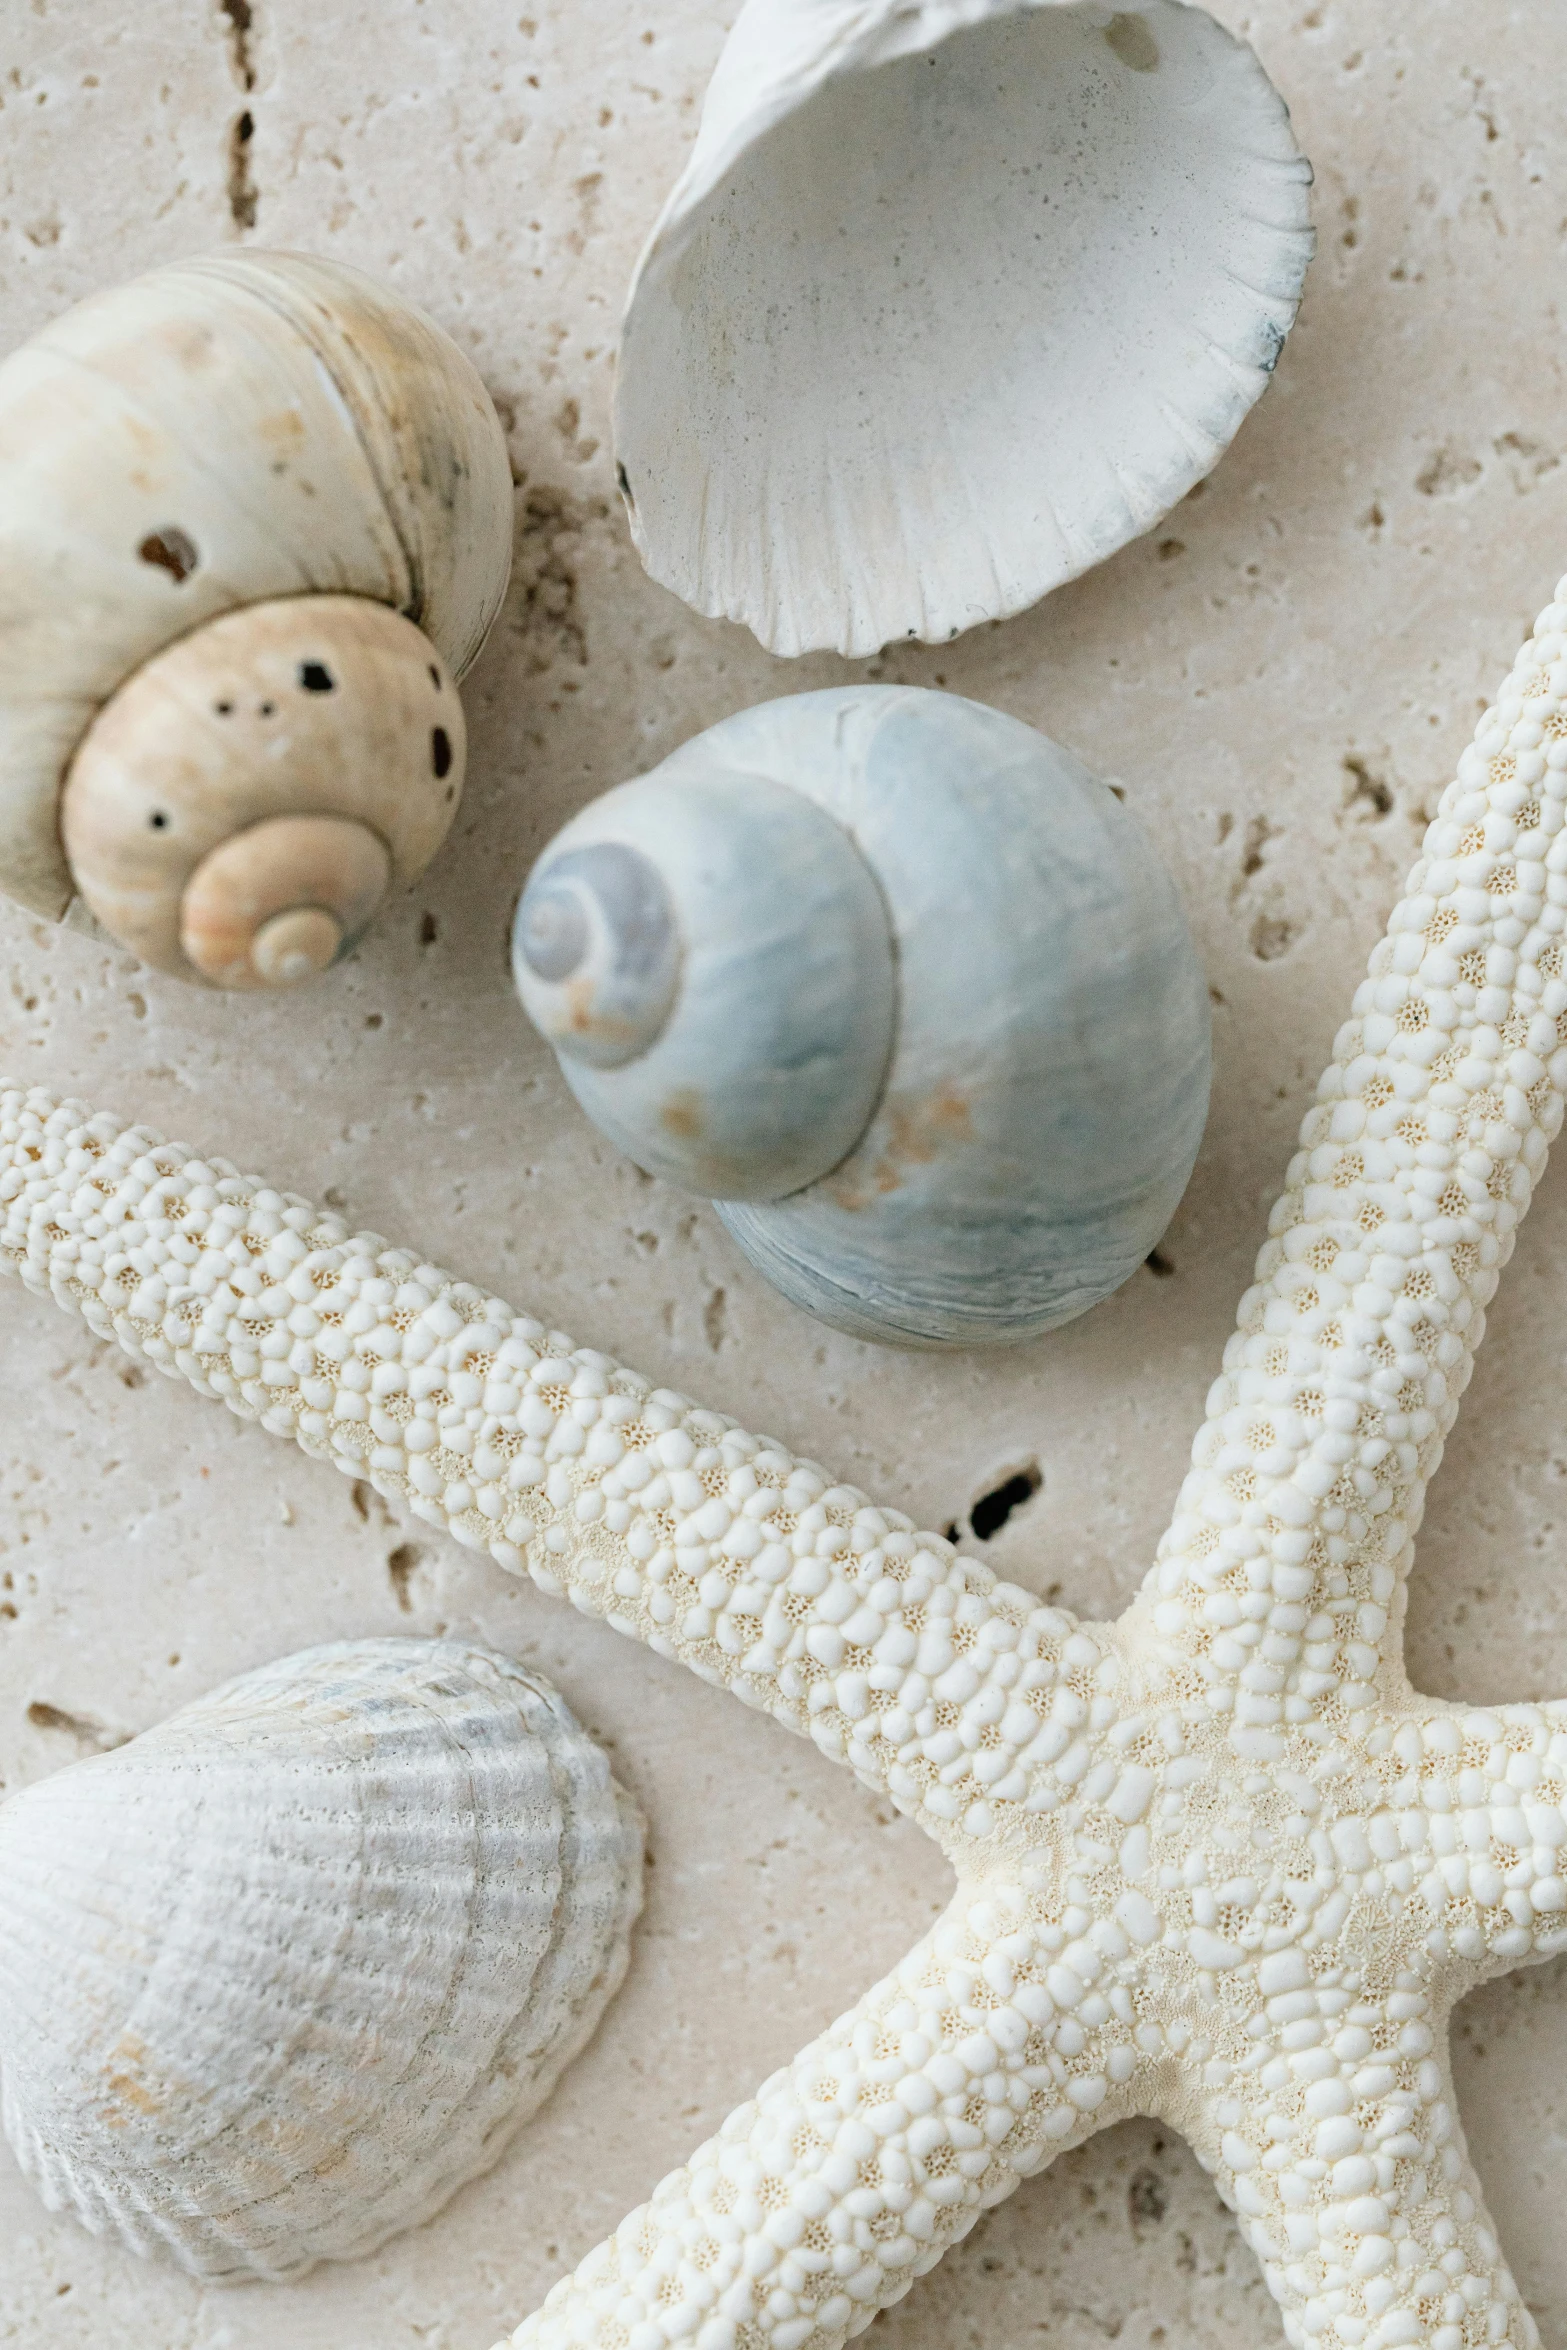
1284 675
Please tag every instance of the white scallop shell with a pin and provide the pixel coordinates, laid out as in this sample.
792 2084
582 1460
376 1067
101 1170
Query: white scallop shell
952 299
276 425
281 1975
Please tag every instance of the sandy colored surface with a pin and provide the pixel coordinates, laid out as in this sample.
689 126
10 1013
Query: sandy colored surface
1283 675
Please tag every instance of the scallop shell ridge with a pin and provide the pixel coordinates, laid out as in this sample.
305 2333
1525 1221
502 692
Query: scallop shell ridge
281 1975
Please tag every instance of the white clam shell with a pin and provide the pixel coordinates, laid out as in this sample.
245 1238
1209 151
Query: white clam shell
952 299
279 1976
223 431
937 1000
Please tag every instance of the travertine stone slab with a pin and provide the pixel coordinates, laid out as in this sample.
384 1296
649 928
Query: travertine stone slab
1284 677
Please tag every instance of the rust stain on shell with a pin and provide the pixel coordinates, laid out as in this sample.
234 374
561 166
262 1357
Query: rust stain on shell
584 1017
125 2082
682 1115
913 1132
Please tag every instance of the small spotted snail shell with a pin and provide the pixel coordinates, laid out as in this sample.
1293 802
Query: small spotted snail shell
255 521
905 989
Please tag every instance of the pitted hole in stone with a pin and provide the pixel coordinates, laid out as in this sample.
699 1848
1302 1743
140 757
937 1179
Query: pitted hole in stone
316 678
991 1512
172 550
401 1566
440 753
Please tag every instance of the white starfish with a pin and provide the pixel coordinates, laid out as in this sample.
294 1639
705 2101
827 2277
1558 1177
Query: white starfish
1217 1861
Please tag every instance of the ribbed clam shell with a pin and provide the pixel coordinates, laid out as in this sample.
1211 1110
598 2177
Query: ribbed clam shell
952 299
279 1976
225 430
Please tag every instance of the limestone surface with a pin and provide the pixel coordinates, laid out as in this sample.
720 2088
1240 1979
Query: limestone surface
1283 677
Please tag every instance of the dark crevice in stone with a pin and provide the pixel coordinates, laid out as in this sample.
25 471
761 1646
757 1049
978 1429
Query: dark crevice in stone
991 1512
401 1566
241 23
91 1737
244 202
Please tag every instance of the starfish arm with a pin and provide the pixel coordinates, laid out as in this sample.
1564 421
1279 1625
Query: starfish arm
1348 2169
1282 1577
853 2170
717 1548
1483 1811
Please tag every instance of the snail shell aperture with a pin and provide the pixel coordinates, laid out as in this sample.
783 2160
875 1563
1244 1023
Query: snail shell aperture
282 1974
255 521
897 982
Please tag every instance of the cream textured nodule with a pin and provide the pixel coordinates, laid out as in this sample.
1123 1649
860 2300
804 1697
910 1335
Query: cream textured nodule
1216 1861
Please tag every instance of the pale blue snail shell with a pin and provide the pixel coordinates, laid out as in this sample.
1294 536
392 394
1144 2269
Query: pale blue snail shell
903 988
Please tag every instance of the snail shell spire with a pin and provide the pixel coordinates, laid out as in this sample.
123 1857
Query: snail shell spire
729 1010
598 950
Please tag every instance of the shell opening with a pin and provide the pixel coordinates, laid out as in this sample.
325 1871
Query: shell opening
597 953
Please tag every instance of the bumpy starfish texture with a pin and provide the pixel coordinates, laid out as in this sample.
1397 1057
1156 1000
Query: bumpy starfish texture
1216 1861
